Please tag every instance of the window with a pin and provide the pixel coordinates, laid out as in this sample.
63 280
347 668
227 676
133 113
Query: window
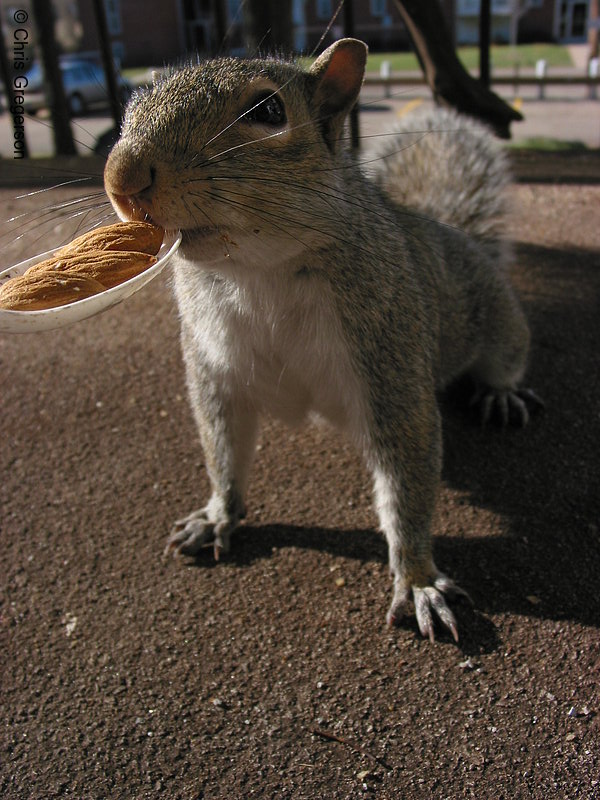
113 16
468 7
580 12
324 10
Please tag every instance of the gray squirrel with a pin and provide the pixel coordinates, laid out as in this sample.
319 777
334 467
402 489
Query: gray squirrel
304 290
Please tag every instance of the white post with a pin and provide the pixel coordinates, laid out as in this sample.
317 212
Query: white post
541 67
385 71
593 72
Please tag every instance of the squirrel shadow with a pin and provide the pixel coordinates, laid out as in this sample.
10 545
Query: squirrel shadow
539 480
543 480
253 543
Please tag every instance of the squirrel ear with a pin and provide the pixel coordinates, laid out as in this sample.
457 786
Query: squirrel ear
339 71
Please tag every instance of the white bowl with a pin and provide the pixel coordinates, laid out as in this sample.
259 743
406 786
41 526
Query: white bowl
51 318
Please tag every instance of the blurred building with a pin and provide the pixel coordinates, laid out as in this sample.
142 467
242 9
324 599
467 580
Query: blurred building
538 20
156 32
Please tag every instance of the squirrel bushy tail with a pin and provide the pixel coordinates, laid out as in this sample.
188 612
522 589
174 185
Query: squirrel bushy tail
447 167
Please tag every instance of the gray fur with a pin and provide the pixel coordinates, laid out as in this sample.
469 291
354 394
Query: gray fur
304 291
448 167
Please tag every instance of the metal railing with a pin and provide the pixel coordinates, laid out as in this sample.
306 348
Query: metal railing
541 77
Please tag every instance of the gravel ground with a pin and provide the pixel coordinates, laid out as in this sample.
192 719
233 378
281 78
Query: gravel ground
272 674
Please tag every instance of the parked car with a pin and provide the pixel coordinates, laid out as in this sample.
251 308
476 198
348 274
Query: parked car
84 83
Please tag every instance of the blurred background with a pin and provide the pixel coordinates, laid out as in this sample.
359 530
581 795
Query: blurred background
63 60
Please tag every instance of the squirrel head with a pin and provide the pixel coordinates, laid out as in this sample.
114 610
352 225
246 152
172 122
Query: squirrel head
235 145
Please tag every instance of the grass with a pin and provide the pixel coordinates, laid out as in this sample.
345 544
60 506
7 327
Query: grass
135 74
502 57
547 145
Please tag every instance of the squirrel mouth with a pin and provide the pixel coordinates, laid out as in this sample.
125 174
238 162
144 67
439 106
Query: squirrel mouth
132 209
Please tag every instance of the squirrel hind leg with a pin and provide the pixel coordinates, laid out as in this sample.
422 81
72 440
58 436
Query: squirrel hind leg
501 364
498 396
506 406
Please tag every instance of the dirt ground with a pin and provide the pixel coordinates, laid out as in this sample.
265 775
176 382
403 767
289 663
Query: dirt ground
272 674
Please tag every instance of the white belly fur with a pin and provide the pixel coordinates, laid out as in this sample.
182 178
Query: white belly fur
277 340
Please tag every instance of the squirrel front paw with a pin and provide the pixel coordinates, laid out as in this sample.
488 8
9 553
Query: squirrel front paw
429 602
212 524
512 406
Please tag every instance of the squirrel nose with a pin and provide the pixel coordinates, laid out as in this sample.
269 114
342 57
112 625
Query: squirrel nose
129 180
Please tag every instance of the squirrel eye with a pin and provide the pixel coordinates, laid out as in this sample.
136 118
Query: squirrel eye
267 109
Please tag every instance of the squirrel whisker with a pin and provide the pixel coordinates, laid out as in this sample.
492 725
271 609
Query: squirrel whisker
335 197
36 213
39 221
332 234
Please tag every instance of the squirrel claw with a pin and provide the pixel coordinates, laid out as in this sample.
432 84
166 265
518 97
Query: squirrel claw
536 402
508 406
198 531
429 602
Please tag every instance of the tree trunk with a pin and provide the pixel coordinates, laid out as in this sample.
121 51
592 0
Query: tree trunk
450 83
220 20
485 29
268 26
108 62
59 110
